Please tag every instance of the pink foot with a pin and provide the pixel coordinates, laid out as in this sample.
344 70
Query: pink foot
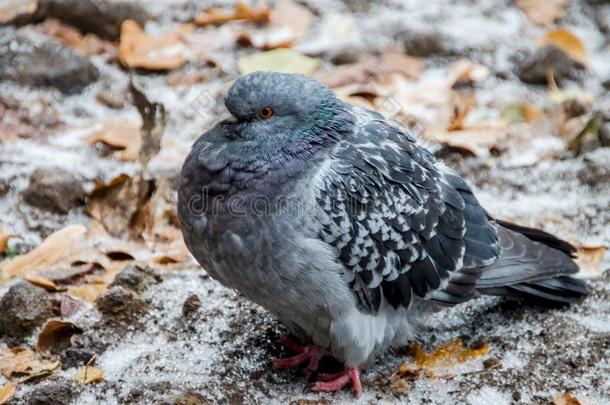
335 382
309 355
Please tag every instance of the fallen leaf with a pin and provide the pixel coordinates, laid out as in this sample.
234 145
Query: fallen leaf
465 71
589 133
518 112
543 12
278 60
154 119
24 362
88 44
288 23
443 360
137 49
41 282
567 42
125 136
7 392
10 9
88 292
88 375
117 204
589 259
4 238
58 245
55 336
242 12
567 399
477 140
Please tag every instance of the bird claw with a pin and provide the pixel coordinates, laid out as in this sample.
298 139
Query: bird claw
309 355
336 381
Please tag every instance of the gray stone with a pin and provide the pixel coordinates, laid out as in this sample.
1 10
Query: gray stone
44 63
534 68
23 308
136 278
54 190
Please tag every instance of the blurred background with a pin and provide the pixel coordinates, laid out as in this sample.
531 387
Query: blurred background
100 101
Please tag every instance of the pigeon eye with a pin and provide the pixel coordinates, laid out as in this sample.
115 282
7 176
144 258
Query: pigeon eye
266 112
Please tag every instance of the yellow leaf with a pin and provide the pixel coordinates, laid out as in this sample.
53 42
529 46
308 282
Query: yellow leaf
7 391
543 12
23 362
88 375
278 60
567 42
137 49
56 246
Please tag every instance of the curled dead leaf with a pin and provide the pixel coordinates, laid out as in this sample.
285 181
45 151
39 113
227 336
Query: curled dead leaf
41 282
567 42
57 246
55 336
7 392
543 12
242 12
124 136
590 258
137 49
477 140
88 375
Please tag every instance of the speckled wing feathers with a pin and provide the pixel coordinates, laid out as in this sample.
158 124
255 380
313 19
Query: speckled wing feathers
401 225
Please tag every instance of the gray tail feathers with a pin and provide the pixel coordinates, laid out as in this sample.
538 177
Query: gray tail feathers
535 266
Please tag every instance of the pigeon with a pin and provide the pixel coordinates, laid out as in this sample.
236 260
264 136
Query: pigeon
346 229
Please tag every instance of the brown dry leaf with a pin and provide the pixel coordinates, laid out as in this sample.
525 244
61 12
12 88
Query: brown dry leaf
55 336
589 259
288 23
7 392
88 44
41 282
567 399
57 246
567 42
88 292
242 12
117 204
4 238
9 9
477 140
88 375
467 102
543 12
168 51
24 362
121 135
465 71
409 66
442 359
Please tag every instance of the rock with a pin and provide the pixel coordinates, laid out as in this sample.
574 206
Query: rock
423 43
190 398
100 17
4 187
53 392
191 305
75 357
121 306
54 190
45 63
534 68
137 278
23 308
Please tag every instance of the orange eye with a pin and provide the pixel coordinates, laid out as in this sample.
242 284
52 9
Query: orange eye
266 112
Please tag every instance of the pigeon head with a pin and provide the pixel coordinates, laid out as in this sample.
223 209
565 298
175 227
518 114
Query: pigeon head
279 109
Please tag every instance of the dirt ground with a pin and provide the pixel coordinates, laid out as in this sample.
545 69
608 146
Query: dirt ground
174 335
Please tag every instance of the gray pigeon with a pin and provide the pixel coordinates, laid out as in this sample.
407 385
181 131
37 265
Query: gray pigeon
337 222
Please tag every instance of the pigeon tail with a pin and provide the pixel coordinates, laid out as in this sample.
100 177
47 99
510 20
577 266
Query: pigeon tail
535 266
